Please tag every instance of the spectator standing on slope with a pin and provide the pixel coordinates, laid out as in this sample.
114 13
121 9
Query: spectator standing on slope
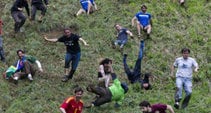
1 42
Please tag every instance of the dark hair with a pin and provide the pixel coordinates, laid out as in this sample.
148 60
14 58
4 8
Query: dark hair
19 51
78 89
105 61
143 6
67 28
116 24
144 104
185 50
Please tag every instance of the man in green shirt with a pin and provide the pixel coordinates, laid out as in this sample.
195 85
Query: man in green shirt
115 92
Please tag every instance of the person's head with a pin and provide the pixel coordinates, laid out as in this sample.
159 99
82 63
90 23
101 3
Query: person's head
124 86
106 62
185 53
67 32
143 8
145 106
20 53
146 86
78 93
117 26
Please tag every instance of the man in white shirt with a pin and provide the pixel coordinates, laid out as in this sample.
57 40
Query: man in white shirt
185 65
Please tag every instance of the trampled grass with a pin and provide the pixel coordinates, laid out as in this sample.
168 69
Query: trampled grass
174 27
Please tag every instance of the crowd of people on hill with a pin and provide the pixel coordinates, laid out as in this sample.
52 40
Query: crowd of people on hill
109 87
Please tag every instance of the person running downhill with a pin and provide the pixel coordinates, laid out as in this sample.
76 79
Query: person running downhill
73 51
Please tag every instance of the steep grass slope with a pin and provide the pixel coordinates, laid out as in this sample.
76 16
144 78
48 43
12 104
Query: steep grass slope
173 28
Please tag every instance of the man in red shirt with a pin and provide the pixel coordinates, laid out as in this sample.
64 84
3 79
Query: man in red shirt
74 103
155 108
2 57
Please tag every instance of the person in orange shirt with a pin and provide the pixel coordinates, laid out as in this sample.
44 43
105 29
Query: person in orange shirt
1 42
73 104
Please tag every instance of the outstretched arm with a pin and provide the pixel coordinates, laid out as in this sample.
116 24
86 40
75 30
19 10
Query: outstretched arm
39 65
84 42
51 40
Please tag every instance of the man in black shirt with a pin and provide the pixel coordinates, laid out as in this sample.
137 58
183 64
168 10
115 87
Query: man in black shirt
73 51
17 13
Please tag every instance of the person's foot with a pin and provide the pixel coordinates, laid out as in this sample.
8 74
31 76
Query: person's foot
15 82
176 105
125 55
65 78
186 101
139 35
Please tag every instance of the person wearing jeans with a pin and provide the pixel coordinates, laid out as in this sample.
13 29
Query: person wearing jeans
73 51
185 65
2 57
135 74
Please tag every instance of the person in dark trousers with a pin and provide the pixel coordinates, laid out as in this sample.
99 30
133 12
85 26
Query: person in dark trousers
135 74
38 5
18 15
73 51
115 92
155 108
1 42
24 66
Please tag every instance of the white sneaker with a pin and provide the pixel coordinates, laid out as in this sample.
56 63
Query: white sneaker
30 77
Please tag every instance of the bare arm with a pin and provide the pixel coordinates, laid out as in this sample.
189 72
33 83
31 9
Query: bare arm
172 70
51 40
62 110
84 42
129 33
95 6
170 109
133 20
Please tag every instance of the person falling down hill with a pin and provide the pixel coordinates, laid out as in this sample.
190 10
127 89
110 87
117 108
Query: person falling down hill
115 92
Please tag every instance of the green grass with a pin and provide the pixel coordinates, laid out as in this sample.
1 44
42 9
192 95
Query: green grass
173 28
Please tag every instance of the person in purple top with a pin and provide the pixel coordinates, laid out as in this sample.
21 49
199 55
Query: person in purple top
143 21
155 108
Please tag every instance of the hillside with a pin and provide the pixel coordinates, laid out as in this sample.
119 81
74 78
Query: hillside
174 27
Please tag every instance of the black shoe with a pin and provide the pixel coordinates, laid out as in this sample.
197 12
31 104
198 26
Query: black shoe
125 55
176 105
15 82
65 78
186 101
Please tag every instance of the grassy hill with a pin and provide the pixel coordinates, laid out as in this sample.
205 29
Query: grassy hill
174 27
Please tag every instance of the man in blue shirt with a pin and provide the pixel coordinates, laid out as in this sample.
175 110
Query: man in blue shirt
143 21
122 36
